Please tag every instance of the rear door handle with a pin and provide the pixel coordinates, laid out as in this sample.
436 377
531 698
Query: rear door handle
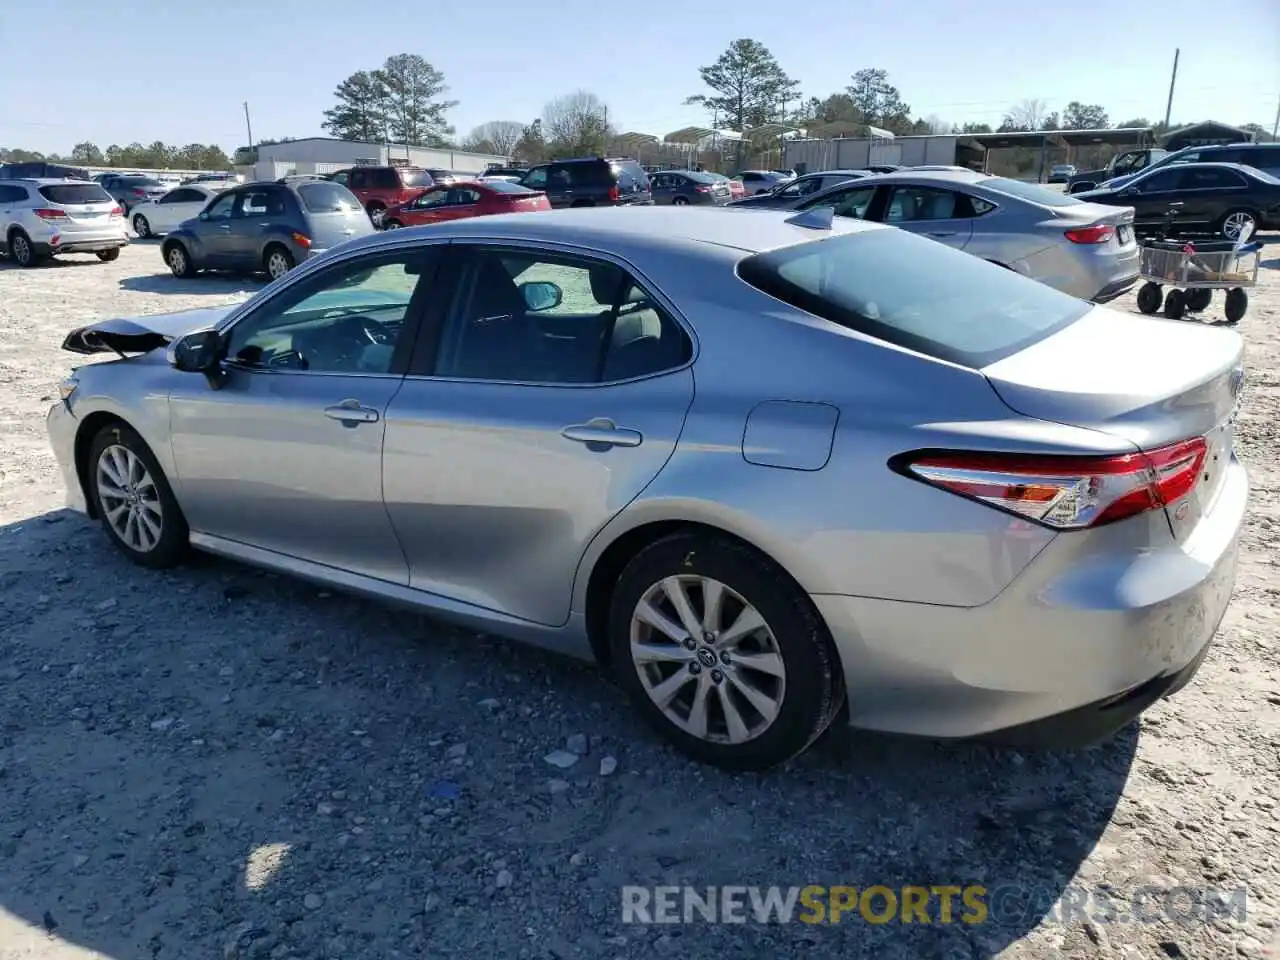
351 412
942 233
602 432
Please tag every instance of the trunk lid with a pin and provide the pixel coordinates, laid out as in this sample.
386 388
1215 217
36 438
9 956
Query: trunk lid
141 334
1150 382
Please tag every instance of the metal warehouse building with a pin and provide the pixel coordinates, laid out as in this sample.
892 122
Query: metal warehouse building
326 154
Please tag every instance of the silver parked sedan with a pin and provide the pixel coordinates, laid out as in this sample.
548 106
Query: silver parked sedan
1085 249
764 466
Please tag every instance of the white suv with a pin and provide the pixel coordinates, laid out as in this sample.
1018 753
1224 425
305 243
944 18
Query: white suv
40 218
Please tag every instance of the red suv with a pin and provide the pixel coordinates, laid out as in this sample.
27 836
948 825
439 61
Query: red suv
380 188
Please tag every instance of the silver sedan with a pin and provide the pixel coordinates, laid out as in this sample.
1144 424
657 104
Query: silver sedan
768 468
1085 249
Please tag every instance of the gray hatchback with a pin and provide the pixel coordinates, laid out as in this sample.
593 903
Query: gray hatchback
269 227
680 187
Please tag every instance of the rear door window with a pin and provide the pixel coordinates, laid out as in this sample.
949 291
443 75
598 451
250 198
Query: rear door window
590 174
360 180
1210 178
536 179
912 204
916 293
75 193
386 179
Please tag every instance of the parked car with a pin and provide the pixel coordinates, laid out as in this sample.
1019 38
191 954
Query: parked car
153 218
499 171
683 187
540 465
736 190
41 218
1130 161
1221 198
1263 156
591 182
476 199
759 181
1087 250
1061 172
786 196
40 170
884 167
444 177
131 190
268 227
380 188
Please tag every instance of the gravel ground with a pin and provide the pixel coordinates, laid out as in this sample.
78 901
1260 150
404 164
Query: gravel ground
215 762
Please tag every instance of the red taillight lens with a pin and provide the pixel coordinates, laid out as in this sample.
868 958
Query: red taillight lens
302 240
49 213
139 193
615 194
1066 493
117 211
703 189
1098 233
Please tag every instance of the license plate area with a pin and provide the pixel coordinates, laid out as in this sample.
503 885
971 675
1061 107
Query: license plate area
1124 233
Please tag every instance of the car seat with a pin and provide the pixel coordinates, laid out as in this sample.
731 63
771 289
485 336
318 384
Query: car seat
498 340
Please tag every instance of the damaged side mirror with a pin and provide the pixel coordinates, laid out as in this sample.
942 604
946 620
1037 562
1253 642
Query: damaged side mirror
199 352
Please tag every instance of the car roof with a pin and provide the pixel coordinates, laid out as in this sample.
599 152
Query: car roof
749 231
48 181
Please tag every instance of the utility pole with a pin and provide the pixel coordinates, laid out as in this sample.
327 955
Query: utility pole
1275 127
248 129
1168 110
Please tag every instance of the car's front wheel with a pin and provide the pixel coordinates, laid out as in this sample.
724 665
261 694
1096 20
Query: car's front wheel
277 261
133 499
722 652
141 227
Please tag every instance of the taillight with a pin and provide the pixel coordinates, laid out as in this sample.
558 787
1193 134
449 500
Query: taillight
139 193
703 189
615 194
49 213
1098 233
117 211
302 240
1065 492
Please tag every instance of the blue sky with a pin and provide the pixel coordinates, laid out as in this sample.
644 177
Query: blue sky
179 72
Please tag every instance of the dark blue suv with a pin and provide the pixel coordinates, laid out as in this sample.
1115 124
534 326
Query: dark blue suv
591 182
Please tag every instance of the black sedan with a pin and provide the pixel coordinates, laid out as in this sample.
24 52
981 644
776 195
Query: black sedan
788 196
1220 198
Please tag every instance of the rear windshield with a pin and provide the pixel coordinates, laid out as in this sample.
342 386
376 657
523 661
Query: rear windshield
915 293
75 193
139 182
506 186
326 197
1030 191
699 177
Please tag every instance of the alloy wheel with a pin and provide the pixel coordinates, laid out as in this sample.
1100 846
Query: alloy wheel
277 265
707 659
129 498
141 227
1234 226
21 250
177 261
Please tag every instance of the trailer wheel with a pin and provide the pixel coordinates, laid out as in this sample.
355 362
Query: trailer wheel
1237 304
1150 297
1199 299
1175 304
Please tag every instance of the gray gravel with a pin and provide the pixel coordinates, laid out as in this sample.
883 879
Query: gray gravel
215 762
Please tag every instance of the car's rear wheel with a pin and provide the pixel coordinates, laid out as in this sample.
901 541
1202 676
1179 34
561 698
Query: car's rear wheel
133 499
277 261
680 202
106 256
376 212
1150 297
1235 222
21 250
178 260
392 225
722 653
141 227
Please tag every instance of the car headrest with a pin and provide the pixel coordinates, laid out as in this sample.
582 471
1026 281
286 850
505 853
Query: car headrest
605 280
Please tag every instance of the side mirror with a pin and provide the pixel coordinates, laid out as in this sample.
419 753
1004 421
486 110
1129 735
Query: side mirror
197 352
541 296
204 215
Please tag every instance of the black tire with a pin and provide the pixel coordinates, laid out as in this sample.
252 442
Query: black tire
173 544
1199 299
141 227
392 225
1150 297
679 202
375 211
21 250
1237 305
274 255
1175 304
106 256
814 688
178 259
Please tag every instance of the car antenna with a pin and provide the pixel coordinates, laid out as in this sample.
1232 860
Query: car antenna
819 218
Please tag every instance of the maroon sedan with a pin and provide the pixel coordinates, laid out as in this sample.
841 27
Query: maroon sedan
474 199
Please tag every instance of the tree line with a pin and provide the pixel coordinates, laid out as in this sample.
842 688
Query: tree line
157 156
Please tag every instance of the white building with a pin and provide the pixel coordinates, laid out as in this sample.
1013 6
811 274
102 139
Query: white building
325 155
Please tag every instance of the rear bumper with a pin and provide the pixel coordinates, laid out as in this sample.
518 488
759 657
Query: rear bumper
1114 289
75 243
1098 627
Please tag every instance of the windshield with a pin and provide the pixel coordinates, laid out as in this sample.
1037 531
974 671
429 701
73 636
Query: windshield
75 193
1030 191
415 178
916 293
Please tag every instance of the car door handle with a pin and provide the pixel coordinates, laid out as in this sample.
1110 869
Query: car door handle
1176 203
351 412
225 226
602 432
942 233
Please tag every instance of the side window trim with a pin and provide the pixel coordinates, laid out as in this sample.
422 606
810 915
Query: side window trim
450 274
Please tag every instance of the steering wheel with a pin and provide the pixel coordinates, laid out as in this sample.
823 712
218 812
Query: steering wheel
374 331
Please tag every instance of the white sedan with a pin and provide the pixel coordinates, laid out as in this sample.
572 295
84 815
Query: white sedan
159 216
